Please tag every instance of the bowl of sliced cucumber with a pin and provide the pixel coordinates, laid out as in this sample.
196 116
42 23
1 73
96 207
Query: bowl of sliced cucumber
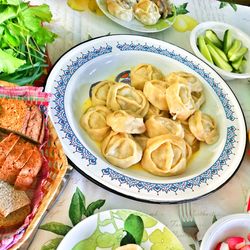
224 47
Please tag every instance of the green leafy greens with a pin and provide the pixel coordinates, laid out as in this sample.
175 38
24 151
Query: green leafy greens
77 210
23 40
134 227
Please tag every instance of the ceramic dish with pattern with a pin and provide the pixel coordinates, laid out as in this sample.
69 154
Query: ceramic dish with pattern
136 25
105 58
105 231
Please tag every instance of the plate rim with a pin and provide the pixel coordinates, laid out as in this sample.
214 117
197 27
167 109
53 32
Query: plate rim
113 19
151 200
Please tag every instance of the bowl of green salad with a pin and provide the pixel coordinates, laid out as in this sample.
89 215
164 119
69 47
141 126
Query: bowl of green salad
224 47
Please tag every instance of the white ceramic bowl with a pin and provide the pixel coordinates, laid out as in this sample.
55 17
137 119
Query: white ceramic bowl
232 225
219 29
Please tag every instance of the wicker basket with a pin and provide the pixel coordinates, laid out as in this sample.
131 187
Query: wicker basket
58 166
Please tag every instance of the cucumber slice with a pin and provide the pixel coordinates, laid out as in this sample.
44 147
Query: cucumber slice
211 35
234 48
219 51
203 48
220 62
227 41
242 66
236 64
239 53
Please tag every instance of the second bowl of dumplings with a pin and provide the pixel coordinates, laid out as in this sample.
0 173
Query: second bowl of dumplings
140 15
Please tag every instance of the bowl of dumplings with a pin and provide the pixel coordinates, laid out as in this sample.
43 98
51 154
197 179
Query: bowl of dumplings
153 121
140 15
146 119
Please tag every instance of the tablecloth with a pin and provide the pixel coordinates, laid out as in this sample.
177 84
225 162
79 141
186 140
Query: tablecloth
74 27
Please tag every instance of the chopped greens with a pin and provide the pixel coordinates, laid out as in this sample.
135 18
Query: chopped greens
23 39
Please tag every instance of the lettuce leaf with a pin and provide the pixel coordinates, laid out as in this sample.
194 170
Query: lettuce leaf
10 2
9 63
8 13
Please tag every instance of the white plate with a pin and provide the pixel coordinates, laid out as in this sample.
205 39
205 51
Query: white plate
136 25
101 58
105 230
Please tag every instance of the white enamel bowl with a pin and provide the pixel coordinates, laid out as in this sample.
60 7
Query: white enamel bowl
229 226
106 57
219 29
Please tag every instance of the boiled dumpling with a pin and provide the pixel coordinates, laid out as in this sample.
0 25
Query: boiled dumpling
122 9
147 12
120 121
192 81
121 150
100 92
165 155
129 247
203 127
155 91
94 122
180 102
189 151
164 6
121 96
141 140
155 111
142 73
157 125
190 138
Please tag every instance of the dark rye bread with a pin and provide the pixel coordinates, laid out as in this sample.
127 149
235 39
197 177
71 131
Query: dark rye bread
20 117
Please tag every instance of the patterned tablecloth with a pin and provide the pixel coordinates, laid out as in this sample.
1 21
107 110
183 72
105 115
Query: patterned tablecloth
74 27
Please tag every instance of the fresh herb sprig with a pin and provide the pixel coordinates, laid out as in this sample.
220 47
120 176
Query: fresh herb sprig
23 40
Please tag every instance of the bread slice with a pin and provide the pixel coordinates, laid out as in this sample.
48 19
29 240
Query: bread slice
11 199
28 173
14 219
6 145
21 117
15 161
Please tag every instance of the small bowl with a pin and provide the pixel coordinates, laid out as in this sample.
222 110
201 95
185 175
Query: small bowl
219 29
232 225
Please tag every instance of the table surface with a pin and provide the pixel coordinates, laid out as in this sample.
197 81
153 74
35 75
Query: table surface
74 27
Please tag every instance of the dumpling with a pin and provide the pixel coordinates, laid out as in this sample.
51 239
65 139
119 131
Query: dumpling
141 140
142 73
155 111
190 138
100 91
157 125
203 127
121 9
165 155
189 151
120 121
122 96
192 81
129 247
164 6
155 91
94 122
121 150
147 12
180 102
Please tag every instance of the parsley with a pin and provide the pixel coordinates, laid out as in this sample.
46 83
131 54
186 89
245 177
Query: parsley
23 40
